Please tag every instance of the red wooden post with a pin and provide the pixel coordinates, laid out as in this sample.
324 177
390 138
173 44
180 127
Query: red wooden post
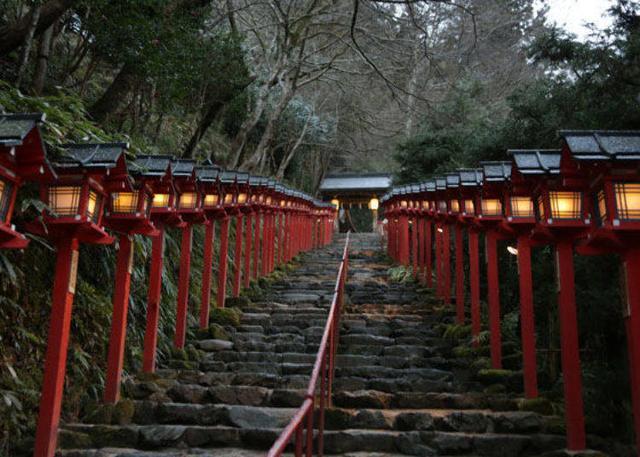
265 243
119 320
460 298
632 324
474 284
414 246
446 263
527 321
183 286
256 246
421 249
428 254
247 249
571 371
493 292
153 301
391 237
271 245
237 257
438 242
403 238
57 344
207 263
222 263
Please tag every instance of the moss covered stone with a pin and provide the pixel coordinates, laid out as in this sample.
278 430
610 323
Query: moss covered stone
226 316
494 376
462 351
237 302
123 412
538 405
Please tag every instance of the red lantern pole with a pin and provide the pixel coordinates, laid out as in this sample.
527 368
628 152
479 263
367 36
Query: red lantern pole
237 257
247 249
153 301
428 254
446 258
632 325
391 237
207 263
414 247
222 263
459 275
265 243
271 245
183 286
439 281
527 321
256 246
474 283
119 320
493 292
57 344
571 371
421 250
403 239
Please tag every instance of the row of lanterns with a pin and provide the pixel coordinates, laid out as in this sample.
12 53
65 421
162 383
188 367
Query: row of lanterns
582 198
92 187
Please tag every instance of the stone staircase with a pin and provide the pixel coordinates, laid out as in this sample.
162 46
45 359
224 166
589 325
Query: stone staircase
397 391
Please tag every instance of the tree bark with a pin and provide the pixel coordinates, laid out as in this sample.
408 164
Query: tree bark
43 61
115 95
282 168
14 35
26 49
206 121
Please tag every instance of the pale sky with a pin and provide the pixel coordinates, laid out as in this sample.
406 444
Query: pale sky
573 14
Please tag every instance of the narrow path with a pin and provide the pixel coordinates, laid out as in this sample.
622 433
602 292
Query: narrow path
398 390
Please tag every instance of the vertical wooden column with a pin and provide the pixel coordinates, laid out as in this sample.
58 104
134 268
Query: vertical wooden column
421 249
527 320
570 348
403 239
183 286
237 257
265 242
248 226
256 246
207 263
446 263
438 246
414 247
428 246
390 237
222 263
153 301
118 335
460 298
632 325
271 247
55 366
474 284
493 292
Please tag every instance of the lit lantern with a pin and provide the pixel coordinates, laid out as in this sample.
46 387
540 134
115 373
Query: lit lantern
230 187
489 206
442 198
470 184
335 202
453 186
609 160
22 158
86 173
209 182
374 204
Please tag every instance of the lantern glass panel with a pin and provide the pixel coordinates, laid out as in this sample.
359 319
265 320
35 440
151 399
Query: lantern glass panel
268 200
188 200
228 198
628 200
124 202
160 200
94 206
442 206
565 204
242 198
5 198
210 200
521 207
455 206
602 206
282 203
491 207
469 207
64 200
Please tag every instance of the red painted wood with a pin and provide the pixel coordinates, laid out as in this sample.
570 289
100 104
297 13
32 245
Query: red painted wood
222 265
439 279
428 254
414 247
248 227
403 239
265 244
446 263
421 249
183 286
632 324
237 258
474 284
527 320
153 302
256 246
493 293
571 371
460 298
207 264
117 338
57 345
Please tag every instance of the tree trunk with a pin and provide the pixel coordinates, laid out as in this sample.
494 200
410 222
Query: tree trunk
240 140
26 49
14 35
282 168
115 95
43 61
203 126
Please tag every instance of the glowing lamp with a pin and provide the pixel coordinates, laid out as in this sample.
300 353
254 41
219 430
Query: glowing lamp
522 207
374 203
469 207
491 207
455 206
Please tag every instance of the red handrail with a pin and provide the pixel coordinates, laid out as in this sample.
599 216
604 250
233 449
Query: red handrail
323 368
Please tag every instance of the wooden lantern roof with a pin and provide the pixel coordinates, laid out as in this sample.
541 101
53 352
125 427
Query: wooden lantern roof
22 148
